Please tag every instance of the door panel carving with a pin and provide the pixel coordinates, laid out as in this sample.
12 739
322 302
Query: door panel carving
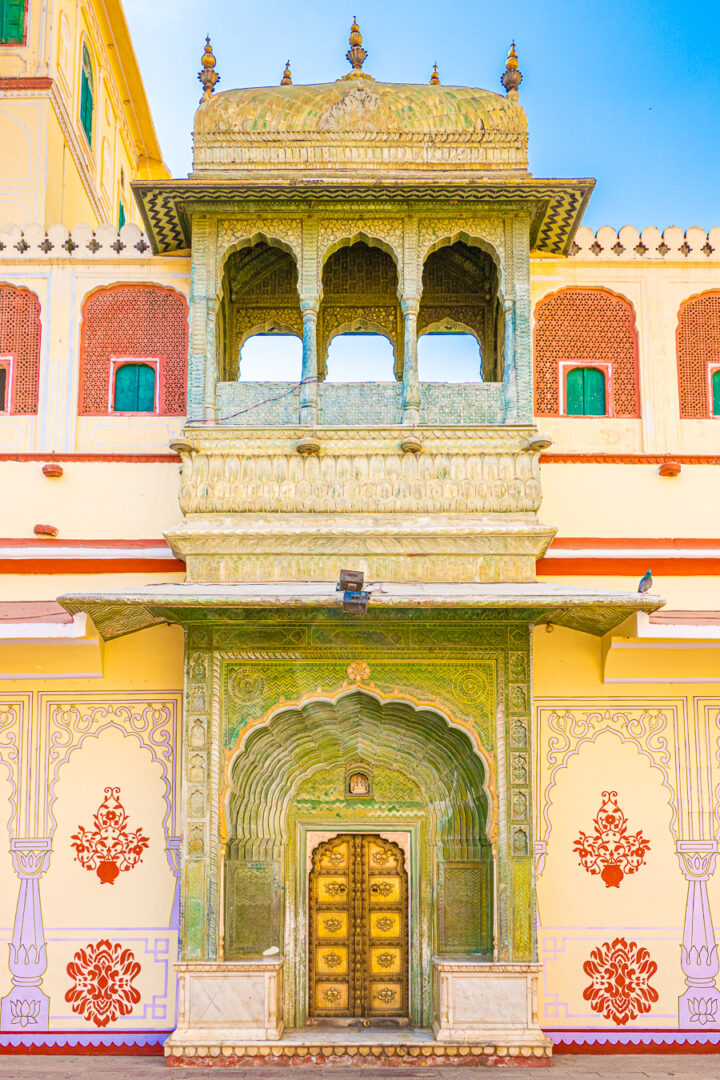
358 902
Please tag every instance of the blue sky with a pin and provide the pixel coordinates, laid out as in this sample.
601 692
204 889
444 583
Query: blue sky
627 92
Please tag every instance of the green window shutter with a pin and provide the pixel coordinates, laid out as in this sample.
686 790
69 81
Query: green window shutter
12 22
121 216
716 393
594 392
575 392
146 388
87 94
134 388
3 389
585 392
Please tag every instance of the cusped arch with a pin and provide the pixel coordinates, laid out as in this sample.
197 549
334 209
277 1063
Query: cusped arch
292 740
472 240
360 237
252 240
697 341
270 326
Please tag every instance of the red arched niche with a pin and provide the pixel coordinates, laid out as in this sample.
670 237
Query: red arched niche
586 327
20 340
133 322
698 347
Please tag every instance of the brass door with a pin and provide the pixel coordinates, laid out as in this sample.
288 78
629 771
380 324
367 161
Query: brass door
358 928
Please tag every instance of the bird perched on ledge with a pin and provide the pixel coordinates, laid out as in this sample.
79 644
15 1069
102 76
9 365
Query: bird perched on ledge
645 582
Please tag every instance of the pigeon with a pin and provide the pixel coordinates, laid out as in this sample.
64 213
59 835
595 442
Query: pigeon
645 582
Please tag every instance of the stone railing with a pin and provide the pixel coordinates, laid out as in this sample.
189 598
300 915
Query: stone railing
672 244
381 471
81 242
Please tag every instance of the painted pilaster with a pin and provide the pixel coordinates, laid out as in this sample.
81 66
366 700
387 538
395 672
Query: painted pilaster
519 405
411 385
202 364
309 387
27 1006
699 1005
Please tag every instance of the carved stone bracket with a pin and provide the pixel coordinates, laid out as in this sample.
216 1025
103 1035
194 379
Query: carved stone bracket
27 1006
699 1006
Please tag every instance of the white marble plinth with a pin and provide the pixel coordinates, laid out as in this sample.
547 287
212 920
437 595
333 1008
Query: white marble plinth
231 1000
485 1002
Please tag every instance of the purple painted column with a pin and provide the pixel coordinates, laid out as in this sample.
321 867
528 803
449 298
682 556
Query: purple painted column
26 1006
699 1006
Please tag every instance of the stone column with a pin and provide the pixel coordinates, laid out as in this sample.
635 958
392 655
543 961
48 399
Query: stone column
509 375
411 386
26 1006
309 387
699 1006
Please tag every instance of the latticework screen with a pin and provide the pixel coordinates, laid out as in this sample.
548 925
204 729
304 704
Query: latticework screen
586 327
20 338
143 321
698 345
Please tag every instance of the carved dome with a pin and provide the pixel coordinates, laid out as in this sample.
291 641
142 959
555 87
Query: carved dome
360 125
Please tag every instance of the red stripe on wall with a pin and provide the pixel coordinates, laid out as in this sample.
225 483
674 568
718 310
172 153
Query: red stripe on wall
627 567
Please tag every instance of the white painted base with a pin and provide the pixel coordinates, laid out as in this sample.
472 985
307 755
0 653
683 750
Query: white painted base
228 1001
487 1003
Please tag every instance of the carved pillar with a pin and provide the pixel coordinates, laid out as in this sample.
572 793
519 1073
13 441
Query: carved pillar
26 1006
309 387
509 374
699 1006
411 385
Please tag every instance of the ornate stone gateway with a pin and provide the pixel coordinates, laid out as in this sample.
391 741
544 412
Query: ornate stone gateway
358 947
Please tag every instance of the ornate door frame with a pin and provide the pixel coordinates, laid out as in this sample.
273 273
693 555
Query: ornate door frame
421 915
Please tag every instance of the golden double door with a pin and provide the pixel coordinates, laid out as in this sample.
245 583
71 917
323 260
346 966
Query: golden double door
358 905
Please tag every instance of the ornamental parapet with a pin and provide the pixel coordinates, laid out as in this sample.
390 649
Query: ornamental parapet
454 504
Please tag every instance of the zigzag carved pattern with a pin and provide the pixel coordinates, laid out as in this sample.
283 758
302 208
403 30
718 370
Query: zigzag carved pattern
556 209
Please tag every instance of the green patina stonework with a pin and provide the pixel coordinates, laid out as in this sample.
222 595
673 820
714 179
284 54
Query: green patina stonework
433 682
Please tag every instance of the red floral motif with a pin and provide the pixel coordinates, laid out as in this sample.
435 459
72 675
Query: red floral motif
620 989
102 987
611 852
109 847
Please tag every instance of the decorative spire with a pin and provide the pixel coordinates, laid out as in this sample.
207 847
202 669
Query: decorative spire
434 78
513 76
208 76
287 76
356 54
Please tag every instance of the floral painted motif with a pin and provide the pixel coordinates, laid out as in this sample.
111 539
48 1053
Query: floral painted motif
620 974
102 988
612 852
24 1012
109 847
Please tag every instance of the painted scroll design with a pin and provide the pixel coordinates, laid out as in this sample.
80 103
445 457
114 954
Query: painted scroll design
647 729
109 847
11 726
102 982
620 973
612 852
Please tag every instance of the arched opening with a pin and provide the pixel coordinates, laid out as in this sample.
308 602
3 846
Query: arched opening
585 392
461 295
449 356
134 388
87 94
291 782
360 286
360 357
259 297
271 356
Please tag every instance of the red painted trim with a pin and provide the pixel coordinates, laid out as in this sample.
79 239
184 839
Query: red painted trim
123 545
627 567
170 459
642 543
91 566
628 459
24 82
655 1047
82 1049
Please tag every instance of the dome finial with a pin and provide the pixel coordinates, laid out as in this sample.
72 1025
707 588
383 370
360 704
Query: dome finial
208 76
287 76
435 78
512 76
356 54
